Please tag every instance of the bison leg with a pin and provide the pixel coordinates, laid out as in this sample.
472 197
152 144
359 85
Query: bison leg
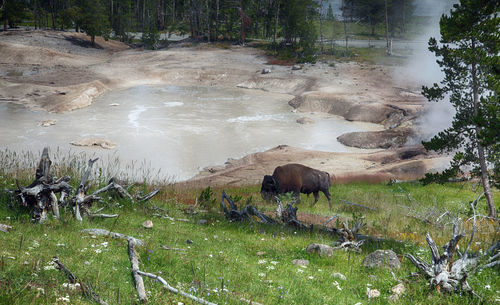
327 194
316 197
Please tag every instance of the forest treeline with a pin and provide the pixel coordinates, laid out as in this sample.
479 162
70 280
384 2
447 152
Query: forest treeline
294 23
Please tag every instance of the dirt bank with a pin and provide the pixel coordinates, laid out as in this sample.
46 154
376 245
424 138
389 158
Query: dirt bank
60 72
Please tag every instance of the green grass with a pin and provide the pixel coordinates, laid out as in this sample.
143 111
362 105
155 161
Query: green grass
222 264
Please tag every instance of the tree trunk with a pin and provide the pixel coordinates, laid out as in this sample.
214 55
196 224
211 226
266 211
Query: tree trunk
92 40
321 24
388 50
217 20
208 21
345 32
480 149
276 22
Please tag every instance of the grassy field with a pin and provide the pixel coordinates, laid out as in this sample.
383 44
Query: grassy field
230 261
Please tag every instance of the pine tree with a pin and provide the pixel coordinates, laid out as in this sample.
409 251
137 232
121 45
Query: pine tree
94 19
329 14
468 54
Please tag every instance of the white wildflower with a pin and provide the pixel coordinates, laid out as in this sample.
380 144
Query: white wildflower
49 267
105 244
274 263
262 274
61 245
41 290
300 271
64 299
336 284
98 251
372 293
270 267
262 261
311 277
487 287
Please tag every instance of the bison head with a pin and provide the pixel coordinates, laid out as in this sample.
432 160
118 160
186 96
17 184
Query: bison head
270 188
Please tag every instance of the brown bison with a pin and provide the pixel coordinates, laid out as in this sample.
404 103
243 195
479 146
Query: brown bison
296 178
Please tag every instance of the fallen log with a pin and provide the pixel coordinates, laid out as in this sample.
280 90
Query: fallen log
174 290
87 291
115 235
139 283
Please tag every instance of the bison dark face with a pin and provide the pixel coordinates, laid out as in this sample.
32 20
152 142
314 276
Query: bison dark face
270 188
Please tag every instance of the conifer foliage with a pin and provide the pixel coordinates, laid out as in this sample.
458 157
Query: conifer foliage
468 54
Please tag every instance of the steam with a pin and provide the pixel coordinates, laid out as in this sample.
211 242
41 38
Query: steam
422 70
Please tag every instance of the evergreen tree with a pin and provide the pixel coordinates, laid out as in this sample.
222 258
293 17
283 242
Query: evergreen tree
468 54
94 20
12 12
329 14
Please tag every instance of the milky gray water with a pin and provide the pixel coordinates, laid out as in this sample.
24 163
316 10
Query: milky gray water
179 130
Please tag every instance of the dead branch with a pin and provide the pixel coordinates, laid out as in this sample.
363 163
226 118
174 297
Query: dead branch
347 238
289 217
87 291
112 185
164 247
5 228
103 215
147 196
449 275
123 193
80 200
174 290
164 216
115 235
139 283
233 214
358 205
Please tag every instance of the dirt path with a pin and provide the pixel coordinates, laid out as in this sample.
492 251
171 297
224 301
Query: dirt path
60 72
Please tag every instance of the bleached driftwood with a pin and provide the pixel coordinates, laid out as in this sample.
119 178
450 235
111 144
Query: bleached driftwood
123 193
115 235
40 194
87 291
288 216
450 275
175 290
358 205
5 228
173 249
233 214
139 283
103 215
348 237
81 200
